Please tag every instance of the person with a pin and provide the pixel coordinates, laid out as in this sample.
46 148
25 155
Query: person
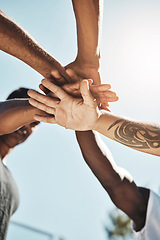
140 204
17 124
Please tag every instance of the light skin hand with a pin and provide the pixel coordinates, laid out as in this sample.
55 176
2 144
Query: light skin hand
73 113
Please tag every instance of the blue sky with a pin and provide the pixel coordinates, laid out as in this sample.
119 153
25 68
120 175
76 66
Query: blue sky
58 192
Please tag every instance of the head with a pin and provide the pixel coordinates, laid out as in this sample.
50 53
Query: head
20 135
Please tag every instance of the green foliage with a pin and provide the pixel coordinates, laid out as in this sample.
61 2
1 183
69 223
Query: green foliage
119 227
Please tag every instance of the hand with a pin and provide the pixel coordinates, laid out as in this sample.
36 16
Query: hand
101 92
86 70
81 71
74 113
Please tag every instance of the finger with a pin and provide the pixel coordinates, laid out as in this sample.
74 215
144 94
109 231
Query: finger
46 119
58 91
58 77
100 103
52 95
34 94
102 91
113 99
86 94
51 78
106 93
72 89
102 87
59 81
90 81
64 74
45 90
73 76
42 106
105 107
48 101
107 99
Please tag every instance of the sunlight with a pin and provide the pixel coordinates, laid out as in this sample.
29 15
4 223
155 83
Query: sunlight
131 57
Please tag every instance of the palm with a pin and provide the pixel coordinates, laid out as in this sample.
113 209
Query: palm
74 113
80 116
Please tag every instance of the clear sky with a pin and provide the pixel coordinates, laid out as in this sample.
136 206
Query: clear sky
58 192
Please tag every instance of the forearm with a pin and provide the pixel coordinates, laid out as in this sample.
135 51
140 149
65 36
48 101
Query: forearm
116 181
141 136
14 114
88 15
98 158
15 41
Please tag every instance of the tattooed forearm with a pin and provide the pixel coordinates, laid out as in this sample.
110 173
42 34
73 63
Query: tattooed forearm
135 135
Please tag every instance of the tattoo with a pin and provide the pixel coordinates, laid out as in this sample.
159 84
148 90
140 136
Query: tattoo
136 136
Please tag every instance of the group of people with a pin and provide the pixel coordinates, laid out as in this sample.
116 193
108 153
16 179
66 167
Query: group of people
75 98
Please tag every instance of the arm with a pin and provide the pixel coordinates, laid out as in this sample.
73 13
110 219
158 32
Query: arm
116 181
14 114
88 14
142 136
83 114
17 42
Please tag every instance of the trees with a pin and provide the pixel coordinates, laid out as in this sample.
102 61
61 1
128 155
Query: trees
119 226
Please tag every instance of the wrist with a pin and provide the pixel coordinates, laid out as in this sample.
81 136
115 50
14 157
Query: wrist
103 122
97 124
30 112
90 61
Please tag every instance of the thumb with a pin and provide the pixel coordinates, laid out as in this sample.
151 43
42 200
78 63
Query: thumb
86 94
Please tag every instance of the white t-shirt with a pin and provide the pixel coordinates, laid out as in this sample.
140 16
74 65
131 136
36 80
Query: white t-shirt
151 230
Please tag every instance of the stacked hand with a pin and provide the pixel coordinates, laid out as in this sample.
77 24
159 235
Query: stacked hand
101 93
74 113
74 105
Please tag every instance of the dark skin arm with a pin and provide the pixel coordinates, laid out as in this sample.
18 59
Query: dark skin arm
14 114
123 191
15 41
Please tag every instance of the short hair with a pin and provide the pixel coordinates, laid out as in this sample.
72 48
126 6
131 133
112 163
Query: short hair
19 93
